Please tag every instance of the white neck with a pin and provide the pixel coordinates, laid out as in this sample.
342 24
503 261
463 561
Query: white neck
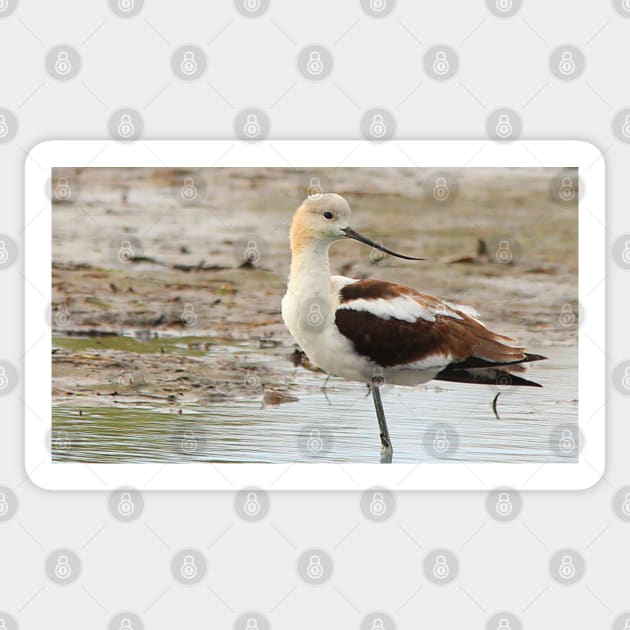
310 268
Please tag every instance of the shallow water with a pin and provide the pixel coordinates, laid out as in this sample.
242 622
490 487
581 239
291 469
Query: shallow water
440 422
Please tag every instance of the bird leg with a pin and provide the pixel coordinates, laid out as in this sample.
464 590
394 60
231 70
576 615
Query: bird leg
386 445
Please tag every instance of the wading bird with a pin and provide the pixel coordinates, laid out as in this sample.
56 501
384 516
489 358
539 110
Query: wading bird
373 331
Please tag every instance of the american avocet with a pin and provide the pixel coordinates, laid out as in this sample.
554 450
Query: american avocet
373 331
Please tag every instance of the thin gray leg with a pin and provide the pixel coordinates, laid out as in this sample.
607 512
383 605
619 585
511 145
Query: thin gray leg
386 445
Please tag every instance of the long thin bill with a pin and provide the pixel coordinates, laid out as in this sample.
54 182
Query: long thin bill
350 233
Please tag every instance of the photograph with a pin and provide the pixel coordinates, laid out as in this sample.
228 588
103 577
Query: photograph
294 315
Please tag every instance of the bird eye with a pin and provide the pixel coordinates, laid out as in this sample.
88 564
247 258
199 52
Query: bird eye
328 215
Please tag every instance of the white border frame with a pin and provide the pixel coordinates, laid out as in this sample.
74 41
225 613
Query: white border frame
470 476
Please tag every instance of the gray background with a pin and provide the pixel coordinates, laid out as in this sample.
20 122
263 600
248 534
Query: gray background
124 564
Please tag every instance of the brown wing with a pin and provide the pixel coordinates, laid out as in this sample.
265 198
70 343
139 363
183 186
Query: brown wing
458 337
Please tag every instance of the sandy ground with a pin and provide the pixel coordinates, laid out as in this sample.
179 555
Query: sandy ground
189 266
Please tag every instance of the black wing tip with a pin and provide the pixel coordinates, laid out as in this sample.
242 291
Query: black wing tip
473 376
533 357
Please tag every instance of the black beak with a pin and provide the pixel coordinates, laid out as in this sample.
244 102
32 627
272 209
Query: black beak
350 233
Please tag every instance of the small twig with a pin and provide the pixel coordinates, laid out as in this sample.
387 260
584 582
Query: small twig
494 406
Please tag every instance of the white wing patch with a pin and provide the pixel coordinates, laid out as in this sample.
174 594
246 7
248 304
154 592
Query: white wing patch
402 307
464 308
